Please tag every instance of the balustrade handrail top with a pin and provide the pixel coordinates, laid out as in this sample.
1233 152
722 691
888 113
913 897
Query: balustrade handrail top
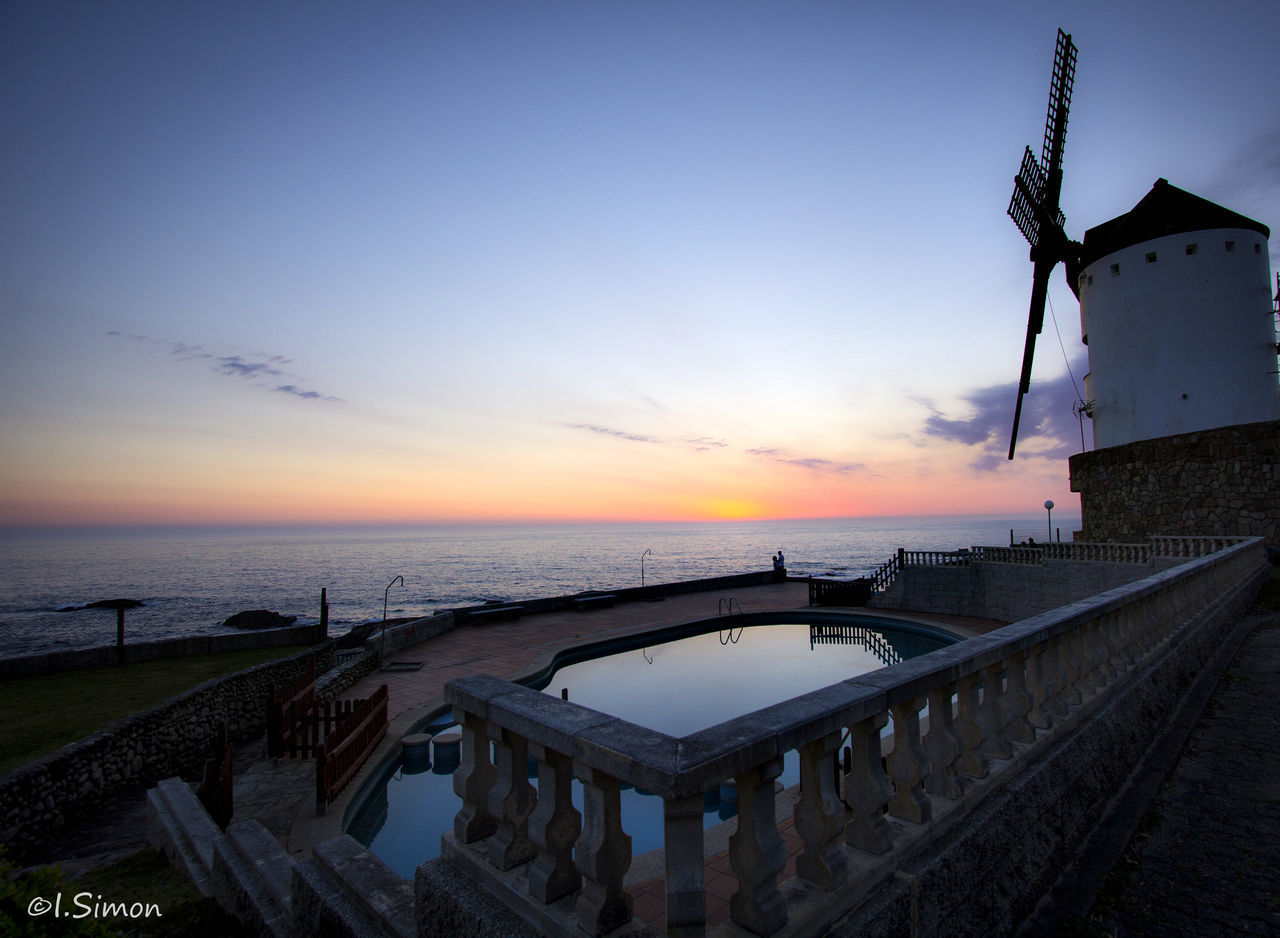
682 767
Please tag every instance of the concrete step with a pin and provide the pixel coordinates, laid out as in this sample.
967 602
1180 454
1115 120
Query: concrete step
252 876
180 828
344 890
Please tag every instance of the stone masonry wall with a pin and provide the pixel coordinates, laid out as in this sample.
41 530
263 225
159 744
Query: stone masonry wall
1006 592
43 797
1224 481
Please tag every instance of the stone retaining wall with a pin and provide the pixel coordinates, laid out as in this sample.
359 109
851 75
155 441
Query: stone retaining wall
987 875
44 797
1007 592
1213 482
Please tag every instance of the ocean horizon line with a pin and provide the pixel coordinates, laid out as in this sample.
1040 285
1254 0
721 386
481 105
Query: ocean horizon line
180 528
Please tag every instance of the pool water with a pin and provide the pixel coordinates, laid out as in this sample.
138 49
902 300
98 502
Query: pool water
720 674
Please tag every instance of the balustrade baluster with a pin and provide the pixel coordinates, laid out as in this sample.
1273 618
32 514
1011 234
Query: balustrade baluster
472 781
973 759
603 854
757 853
820 815
942 745
1092 679
554 826
511 800
685 873
1017 700
867 788
1040 686
1071 668
992 716
908 764
1111 664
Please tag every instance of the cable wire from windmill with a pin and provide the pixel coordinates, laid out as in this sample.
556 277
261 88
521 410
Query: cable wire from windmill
1054 316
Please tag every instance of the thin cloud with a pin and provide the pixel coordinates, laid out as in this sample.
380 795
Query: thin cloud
812 463
236 366
610 431
296 391
704 443
255 367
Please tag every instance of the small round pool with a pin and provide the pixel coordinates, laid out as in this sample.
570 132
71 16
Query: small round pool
686 678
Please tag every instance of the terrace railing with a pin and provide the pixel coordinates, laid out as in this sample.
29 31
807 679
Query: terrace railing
290 716
362 725
958 715
1110 553
1197 546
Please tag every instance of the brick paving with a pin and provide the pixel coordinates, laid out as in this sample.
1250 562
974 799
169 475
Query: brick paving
506 648
1206 860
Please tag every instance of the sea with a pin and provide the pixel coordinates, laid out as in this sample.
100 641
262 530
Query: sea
191 580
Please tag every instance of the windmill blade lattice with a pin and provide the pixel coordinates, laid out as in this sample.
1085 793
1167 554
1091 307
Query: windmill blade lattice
1034 209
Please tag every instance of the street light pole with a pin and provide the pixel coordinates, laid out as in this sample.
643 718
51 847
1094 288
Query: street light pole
642 556
1048 506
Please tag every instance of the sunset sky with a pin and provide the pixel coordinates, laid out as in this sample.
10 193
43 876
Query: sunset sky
268 262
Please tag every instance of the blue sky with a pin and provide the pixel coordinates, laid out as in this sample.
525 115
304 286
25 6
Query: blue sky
446 261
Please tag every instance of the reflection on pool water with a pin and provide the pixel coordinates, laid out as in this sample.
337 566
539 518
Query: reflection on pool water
678 687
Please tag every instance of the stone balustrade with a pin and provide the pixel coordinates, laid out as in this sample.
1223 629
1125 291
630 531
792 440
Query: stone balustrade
930 738
1108 553
934 558
1197 546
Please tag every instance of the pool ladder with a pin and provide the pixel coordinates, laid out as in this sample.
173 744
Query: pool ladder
726 608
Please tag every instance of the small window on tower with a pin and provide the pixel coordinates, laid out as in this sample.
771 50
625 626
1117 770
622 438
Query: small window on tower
1151 257
1191 249
1257 248
1115 270
1231 245
1091 280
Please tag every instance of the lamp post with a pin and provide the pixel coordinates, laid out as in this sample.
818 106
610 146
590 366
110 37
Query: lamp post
1048 506
382 636
647 551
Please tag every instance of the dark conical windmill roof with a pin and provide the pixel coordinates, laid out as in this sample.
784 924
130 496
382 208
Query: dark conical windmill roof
1165 210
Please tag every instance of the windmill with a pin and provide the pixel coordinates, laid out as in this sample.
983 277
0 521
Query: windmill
1034 209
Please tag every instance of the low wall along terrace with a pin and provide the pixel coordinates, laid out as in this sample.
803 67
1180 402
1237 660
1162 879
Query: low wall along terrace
1213 482
43 797
1003 753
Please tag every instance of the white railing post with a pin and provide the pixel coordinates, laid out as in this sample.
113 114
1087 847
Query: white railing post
554 826
1017 700
1040 684
686 877
867 788
991 714
511 800
603 854
908 764
973 759
757 853
820 815
942 745
472 780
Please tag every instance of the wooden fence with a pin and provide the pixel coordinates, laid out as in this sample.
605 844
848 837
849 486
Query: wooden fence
358 732
290 717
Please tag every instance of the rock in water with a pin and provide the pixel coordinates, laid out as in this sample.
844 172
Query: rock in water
259 619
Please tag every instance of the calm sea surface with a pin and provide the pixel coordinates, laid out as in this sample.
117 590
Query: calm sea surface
190 581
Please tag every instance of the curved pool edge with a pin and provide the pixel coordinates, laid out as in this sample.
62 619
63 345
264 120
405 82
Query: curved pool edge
309 830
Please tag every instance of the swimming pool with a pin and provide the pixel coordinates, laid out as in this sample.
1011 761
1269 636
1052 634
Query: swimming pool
723 667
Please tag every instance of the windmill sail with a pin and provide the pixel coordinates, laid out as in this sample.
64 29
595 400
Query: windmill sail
1034 209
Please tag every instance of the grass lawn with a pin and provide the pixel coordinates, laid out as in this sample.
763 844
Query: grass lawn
48 711
157 901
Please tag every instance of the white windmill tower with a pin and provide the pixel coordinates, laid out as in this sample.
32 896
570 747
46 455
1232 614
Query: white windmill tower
1175 303
1175 307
